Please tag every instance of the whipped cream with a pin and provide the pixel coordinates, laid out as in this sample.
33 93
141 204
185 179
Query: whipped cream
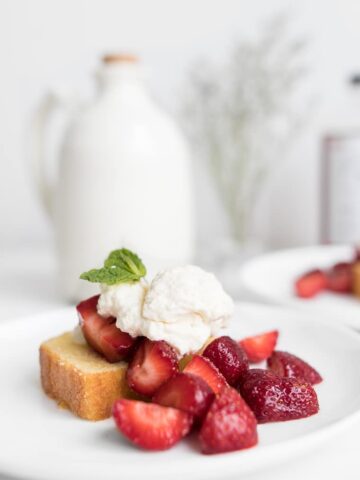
125 302
183 306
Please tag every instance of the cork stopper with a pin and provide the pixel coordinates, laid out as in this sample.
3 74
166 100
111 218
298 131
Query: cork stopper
119 58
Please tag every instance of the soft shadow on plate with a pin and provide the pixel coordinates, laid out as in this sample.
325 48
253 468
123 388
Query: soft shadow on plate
113 438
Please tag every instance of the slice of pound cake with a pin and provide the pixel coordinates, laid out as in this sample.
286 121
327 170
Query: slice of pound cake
80 379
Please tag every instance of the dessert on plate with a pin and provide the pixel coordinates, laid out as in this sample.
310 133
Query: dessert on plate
181 308
149 354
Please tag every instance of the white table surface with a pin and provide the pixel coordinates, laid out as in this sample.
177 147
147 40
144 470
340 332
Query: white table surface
28 286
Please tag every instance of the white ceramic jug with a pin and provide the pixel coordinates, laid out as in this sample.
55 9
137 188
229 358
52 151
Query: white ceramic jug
123 179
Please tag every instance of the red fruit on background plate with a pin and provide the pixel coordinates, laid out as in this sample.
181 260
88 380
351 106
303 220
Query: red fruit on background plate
229 357
204 368
275 399
152 365
102 334
186 392
229 425
287 365
310 284
356 257
150 426
259 347
339 278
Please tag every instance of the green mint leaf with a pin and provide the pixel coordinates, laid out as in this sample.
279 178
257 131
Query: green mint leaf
110 276
121 266
127 260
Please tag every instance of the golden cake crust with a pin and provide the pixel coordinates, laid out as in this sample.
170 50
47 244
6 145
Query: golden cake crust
80 379
356 279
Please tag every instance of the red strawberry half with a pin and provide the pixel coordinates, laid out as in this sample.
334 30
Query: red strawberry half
186 392
310 284
259 347
229 357
102 334
204 368
287 365
229 425
152 365
150 426
275 399
339 278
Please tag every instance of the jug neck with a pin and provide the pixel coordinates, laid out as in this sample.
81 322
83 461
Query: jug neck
119 72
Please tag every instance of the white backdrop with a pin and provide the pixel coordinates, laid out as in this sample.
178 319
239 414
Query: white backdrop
45 43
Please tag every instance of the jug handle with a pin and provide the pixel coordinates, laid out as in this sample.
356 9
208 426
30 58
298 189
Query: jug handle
49 104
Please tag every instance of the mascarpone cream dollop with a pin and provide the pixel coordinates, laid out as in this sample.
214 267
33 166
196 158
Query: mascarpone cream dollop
183 306
124 302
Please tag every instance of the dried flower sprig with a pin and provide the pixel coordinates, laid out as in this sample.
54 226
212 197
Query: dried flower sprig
239 116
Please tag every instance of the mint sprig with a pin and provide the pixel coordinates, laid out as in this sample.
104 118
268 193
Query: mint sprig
121 266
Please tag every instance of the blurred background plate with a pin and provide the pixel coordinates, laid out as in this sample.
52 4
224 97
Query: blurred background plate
271 278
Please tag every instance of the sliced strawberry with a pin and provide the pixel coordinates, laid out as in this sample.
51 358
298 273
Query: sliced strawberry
356 257
260 347
150 426
152 365
204 368
310 284
339 278
186 392
91 322
229 425
287 365
115 344
229 357
276 399
102 334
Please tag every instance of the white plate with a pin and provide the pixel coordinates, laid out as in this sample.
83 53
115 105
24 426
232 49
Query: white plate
271 277
40 441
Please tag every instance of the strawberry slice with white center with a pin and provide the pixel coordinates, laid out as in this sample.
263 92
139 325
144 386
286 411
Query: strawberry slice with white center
260 347
151 426
102 334
204 368
152 365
